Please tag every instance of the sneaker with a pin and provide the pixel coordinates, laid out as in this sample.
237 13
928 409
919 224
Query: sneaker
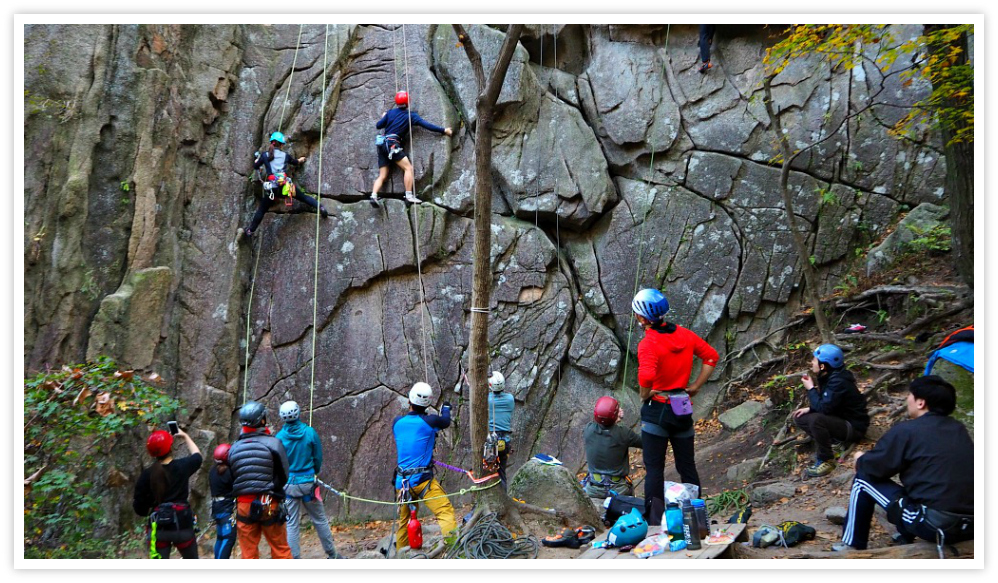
855 329
374 200
840 547
412 199
704 67
820 469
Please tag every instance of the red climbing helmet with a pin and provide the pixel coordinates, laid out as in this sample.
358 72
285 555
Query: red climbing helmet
606 411
159 443
402 98
221 454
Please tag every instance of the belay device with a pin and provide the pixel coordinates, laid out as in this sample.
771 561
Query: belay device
490 453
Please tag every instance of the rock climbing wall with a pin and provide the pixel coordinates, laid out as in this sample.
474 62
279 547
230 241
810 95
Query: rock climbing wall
615 164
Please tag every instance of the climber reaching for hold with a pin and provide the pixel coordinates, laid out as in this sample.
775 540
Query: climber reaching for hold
275 161
396 123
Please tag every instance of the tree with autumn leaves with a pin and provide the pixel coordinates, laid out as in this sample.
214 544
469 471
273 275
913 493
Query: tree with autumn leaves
941 56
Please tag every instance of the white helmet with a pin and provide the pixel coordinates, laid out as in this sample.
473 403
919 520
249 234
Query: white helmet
290 411
497 382
420 394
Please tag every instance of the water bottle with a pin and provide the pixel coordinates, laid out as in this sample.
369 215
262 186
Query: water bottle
691 527
700 510
674 520
414 530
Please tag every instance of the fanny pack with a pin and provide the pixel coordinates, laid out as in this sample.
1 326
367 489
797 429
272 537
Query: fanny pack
671 410
264 511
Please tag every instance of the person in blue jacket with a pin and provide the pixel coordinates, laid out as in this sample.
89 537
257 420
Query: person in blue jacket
501 405
837 409
304 462
396 123
415 437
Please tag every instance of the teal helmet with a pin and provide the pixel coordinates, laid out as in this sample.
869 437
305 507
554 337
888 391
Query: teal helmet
277 137
630 529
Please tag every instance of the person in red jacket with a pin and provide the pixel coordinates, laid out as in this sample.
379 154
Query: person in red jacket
665 362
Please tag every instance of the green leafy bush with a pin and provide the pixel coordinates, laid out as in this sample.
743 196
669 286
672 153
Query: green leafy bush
73 419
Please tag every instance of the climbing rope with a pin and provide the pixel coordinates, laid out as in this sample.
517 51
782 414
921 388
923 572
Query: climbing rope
489 539
318 215
637 275
537 173
467 472
415 212
461 492
259 245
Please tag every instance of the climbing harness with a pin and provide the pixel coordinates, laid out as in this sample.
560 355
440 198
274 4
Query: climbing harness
490 453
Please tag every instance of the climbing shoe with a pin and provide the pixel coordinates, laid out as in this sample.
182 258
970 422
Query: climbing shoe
704 67
820 469
840 547
566 538
766 535
585 534
374 200
247 233
323 212
841 450
410 198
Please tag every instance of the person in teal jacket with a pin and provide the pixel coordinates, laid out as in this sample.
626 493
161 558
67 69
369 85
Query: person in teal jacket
302 490
501 405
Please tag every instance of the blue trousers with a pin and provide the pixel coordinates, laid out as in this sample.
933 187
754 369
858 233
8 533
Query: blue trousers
225 536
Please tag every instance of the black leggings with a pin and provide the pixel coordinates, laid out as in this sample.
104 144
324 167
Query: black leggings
823 429
654 449
188 549
265 204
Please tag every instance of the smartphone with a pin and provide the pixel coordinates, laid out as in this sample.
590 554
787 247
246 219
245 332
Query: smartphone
174 428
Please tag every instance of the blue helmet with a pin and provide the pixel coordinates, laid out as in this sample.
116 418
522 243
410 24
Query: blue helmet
277 137
650 304
831 355
630 529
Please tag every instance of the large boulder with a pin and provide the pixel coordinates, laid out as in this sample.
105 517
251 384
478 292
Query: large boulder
736 417
554 487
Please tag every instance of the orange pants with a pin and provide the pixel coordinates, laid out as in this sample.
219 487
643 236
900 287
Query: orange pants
249 534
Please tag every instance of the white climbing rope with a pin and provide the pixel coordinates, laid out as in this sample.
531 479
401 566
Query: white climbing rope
415 211
259 245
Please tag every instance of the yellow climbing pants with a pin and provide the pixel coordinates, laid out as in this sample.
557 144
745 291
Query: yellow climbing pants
441 508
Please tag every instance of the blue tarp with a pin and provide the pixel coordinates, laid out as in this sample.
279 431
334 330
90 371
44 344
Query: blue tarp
959 353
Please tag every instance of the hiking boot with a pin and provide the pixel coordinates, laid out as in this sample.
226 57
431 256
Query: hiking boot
704 67
410 198
840 547
820 469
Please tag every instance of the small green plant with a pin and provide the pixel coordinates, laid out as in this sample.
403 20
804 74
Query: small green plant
74 419
813 259
882 316
124 186
938 238
827 196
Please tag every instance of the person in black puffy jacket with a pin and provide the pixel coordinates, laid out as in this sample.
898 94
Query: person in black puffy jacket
259 467
837 409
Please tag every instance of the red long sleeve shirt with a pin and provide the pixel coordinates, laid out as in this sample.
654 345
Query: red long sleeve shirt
665 360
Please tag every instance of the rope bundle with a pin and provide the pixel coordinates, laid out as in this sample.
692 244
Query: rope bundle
489 539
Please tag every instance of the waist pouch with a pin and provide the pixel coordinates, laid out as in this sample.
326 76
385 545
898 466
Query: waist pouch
620 505
264 514
664 415
174 522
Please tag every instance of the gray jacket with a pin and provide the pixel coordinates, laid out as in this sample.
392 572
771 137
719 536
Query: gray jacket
259 465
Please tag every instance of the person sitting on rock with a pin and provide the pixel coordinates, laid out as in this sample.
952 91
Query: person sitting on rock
396 122
501 405
415 437
933 455
837 409
606 445
276 162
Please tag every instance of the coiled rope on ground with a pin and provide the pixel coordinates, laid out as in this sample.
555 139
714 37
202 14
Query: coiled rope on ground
490 539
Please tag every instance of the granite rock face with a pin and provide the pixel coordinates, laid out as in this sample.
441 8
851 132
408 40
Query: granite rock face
616 165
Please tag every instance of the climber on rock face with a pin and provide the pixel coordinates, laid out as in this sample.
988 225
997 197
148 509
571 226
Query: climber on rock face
396 123
276 161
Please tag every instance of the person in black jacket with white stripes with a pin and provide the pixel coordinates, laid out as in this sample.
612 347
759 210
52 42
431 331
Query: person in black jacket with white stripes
837 409
933 455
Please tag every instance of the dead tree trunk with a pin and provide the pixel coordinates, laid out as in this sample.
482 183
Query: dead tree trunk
810 273
488 94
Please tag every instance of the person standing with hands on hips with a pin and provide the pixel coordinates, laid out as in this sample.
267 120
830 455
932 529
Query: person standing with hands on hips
665 362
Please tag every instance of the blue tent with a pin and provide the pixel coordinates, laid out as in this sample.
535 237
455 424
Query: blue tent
959 353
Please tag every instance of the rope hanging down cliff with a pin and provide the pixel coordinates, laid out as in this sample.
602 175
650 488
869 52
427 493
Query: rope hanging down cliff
259 244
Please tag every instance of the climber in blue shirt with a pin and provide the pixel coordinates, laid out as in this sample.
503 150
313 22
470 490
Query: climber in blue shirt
415 436
501 406
396 123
